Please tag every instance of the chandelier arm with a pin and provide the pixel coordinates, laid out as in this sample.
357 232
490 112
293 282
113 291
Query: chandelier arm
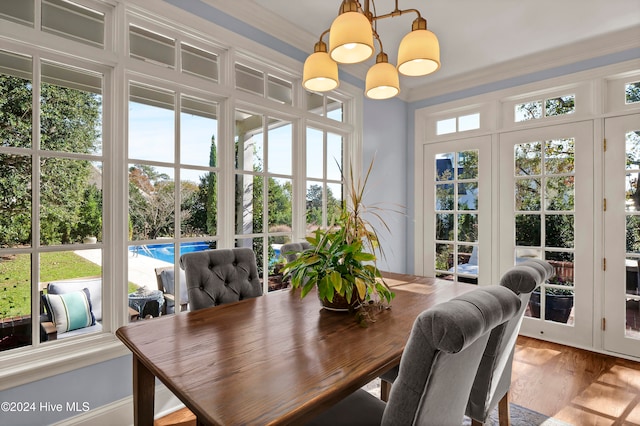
324 33
396 12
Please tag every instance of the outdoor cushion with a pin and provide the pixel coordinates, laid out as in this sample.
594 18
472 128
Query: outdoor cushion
94 285
291 250
168 280
70 311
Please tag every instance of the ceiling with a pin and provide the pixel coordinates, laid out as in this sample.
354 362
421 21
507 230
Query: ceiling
473 34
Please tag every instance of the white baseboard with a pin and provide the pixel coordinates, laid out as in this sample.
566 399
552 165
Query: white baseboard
121 412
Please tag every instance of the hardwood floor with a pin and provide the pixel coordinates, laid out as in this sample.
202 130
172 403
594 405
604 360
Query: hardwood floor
576 386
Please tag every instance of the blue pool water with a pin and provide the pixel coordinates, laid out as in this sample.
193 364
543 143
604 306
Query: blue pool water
165 252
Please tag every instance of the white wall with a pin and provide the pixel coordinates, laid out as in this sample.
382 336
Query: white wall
385 138
89 387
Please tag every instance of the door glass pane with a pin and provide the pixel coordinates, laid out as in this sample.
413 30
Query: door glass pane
456 218
547 167
528 194
632 241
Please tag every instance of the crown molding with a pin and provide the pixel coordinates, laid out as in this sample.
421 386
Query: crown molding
614 42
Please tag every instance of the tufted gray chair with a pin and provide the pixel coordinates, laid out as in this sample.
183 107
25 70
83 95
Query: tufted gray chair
220 276
494 376
493 379
437 367
291 250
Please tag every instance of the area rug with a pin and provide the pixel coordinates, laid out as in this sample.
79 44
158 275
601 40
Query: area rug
520 416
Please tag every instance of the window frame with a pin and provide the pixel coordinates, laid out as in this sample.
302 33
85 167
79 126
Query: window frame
31 363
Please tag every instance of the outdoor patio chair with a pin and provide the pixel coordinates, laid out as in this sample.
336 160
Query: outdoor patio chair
72 307
165 277
220 276
437 367
291 250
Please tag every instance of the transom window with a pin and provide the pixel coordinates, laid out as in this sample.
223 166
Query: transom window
632 93
461 123
549 107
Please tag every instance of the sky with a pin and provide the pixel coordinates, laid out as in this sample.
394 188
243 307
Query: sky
152 134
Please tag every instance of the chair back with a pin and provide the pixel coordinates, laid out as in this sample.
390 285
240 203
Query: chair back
165 277
290 250
442 356
493 377
220 276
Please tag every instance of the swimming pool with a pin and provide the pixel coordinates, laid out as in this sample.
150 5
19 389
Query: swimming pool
165 252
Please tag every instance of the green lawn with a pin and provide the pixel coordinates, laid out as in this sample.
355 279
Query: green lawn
15 276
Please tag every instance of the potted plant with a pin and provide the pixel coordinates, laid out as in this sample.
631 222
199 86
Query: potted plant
558 301
341 262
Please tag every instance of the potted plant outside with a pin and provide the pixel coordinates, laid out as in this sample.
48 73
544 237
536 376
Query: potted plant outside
558 301
341 262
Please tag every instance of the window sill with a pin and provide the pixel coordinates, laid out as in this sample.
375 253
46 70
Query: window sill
29 365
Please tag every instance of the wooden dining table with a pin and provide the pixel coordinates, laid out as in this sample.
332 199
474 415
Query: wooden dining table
275 359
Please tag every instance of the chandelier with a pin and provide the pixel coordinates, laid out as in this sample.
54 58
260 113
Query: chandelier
351 40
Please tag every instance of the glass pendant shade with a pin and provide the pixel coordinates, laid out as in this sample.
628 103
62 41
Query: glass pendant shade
419 53
320 73
351 38
382 81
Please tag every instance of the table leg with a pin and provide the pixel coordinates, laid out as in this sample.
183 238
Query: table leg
144 391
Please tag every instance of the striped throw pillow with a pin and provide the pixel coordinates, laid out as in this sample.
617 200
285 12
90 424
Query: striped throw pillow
70 311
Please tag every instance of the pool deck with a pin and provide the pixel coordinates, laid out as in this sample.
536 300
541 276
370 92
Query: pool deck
141 268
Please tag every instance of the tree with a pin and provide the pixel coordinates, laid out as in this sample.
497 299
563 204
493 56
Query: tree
203 206
151 203
90 213
314 206
69 122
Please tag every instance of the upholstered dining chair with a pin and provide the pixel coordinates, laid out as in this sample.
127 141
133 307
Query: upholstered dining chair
220 276
437 367
493 379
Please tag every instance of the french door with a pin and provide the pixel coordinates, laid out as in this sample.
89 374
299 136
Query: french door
457 210
622 235
546 211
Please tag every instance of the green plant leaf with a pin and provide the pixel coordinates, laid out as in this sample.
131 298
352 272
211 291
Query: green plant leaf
362 287
336 281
